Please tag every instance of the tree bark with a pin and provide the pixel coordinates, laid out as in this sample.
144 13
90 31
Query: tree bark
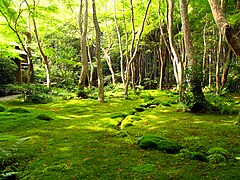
99 62
227 31
83 43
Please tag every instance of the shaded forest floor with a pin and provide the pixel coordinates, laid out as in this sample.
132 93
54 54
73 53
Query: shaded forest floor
85 139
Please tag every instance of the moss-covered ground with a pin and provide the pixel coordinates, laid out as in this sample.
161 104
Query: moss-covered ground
85 139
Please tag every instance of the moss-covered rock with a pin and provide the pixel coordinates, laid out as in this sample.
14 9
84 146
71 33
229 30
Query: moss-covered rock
159 143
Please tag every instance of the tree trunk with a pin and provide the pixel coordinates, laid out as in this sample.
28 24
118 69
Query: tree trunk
45 58
99 62
134 49
204 51
193 76
226 66
218 64
177 64
91 68
83 31
227 31
109 62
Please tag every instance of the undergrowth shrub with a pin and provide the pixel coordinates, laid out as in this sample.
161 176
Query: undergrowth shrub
37 94
220 104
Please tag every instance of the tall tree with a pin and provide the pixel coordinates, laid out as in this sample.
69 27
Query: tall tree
40 48
226 29
193 75
134 45
83 42
99 62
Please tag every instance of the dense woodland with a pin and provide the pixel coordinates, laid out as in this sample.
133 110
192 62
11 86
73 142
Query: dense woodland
119 89
140 44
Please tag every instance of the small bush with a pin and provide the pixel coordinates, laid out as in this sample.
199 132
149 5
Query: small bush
37 94
216 159
82 94
18 110
44 117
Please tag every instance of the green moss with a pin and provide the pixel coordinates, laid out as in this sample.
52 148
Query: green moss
18 110
44 117
159 143
2 109
218 150
216 159
147 168
198 156
121 134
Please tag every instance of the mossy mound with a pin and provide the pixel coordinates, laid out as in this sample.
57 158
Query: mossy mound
218 150
18 110
128 121
198 156
159 143
121 134
44 117
2 109
216 159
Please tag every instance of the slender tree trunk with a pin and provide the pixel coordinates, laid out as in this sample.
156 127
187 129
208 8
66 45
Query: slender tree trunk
226 66
98 48
83 31
45 58
218 64
109 62
120 45
193 76
205 50
134 49
177 64
91 68
210 71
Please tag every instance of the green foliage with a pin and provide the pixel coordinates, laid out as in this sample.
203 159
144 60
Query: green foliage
38 94
44 117
7 71
159 143
220 104
11 89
